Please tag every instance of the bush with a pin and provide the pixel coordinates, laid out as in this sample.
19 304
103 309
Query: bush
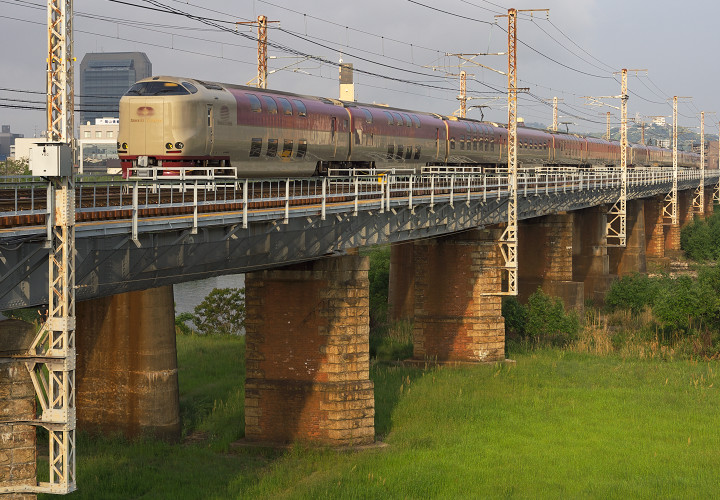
701 239
543 321
515 315
634 292
221 312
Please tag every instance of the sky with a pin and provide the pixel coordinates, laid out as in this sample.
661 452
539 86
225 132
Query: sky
398 48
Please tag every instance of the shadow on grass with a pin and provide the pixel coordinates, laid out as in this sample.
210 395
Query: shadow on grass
204 465
389 379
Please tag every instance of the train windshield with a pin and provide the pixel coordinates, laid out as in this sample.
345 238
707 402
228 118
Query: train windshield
157 88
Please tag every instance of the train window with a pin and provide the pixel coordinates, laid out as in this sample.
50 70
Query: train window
407 120
417 152
389 117
391 151
286 106
210 85
345 124
192 88
368 115
255 105
157 88
255 147
474 144
399 152
287 149
408 152
398 119
301 109
272 147
452 143
302 148
415 120
462 142
270 104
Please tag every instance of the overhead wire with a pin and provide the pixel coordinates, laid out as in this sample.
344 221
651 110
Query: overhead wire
285 48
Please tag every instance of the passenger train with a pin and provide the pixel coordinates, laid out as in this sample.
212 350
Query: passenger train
177 124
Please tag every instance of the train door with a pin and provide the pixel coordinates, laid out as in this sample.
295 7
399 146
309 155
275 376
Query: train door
210 131
437 143
333 135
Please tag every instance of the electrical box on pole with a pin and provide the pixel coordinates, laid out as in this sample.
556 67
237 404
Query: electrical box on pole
51 159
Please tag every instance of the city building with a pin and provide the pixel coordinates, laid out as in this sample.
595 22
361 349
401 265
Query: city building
21 148
659 120
105 77
97 145
7 139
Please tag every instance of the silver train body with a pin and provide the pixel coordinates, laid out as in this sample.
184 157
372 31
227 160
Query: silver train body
181 123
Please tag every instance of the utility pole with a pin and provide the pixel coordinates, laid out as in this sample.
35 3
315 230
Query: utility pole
466 59
53 369
607 125
508 240
262 22
616 227
670 208
555 102
716 191
463 94
607 116
699 195
50 360
642 133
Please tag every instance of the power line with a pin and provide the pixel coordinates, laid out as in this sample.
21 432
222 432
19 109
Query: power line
519 41
165 8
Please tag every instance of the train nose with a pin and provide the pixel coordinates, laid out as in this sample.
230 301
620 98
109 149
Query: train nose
145 118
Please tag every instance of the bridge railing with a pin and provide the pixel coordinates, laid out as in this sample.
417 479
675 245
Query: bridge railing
273 198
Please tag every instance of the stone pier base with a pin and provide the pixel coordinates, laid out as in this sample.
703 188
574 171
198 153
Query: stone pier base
454 318
308 354
545 254
17 403
127 365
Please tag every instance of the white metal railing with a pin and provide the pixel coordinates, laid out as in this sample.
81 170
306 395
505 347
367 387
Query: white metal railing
132 198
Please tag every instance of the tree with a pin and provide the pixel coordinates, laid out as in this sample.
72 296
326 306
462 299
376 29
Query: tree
221 312
15 167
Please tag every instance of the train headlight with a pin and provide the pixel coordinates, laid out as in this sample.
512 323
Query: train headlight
124 145
179 145
169 145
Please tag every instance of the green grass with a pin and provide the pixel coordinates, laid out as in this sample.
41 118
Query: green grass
553 425
211 370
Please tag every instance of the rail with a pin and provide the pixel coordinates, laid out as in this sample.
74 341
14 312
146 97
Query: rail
25 200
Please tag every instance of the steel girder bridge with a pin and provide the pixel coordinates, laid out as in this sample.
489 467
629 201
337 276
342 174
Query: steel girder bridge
133 235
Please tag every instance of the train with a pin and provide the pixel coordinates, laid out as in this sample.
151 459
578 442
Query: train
174 124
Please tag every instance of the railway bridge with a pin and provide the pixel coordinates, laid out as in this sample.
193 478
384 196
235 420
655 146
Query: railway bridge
307 352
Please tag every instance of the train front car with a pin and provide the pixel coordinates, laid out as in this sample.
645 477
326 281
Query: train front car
167 127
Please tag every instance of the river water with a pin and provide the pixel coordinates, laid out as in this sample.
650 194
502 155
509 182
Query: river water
190 294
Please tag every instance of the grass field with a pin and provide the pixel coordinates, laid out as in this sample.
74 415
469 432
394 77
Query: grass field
552 425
